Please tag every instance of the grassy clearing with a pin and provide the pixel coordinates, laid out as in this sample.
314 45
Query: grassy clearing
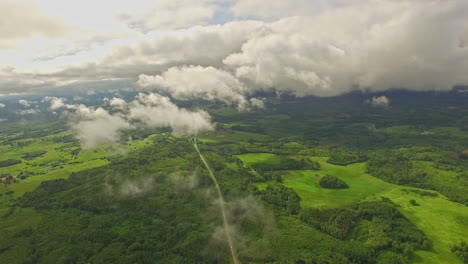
443 221
59 161
253 158
306 182
33 182
361 185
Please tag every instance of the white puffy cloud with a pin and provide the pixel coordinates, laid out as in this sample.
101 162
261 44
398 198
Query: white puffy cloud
154 110
117 102
55 102
2 105
258 103
119 62
379 101
376 47
191 82
24 103
95 125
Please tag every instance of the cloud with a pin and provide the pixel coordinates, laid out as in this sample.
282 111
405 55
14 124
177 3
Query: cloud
258 103
153 110
24 103
380 101
243 213
118 103
29 112
389 47
95 125
137 187
24 19
118 63
55 102
184 182
191 82
171 14
368 45
2 105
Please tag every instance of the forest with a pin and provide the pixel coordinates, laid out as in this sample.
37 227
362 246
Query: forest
305 180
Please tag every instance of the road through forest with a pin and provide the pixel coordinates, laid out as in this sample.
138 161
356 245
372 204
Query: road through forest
222 206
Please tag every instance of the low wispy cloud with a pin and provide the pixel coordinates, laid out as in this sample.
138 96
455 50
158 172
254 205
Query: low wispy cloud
95 125
137 187
242 212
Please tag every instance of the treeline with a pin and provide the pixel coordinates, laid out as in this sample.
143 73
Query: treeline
346 157
9 162
282 146
387 230
395 168
31 155
286 163
461 251
282 198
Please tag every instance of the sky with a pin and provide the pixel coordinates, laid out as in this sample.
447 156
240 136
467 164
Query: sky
227 50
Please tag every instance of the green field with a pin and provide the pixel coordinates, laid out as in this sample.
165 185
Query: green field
443 221
58 161
252 158
306 182
361 185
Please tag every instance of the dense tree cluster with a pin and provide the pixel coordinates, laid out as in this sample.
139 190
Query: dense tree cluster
283 198
286 163
396 168
34 154
346 157
332 182
9 162
461 251
388 234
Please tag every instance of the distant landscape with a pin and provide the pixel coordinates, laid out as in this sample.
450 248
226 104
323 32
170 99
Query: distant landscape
394 193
